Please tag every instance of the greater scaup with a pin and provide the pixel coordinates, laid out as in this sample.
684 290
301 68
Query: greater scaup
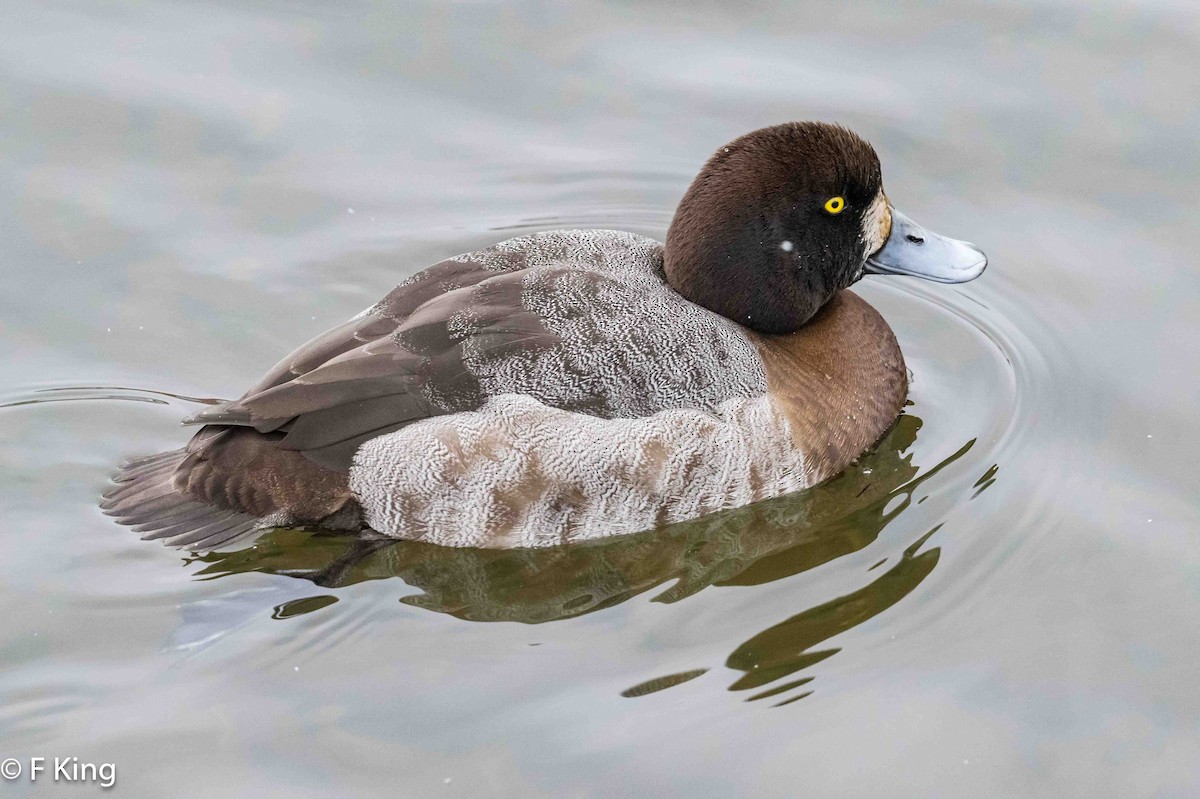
575 384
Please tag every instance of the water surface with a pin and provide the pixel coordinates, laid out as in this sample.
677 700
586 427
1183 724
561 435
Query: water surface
1000 599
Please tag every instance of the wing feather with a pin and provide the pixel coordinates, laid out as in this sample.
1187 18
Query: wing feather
401 361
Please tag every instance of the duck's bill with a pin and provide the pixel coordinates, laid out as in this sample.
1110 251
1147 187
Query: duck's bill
913 250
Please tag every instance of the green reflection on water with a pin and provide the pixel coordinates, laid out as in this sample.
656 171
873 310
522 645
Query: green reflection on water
298 607
662 683
786 648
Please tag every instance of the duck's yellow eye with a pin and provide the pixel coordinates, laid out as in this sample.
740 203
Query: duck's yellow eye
834 205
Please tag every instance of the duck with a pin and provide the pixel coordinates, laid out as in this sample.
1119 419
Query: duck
571 385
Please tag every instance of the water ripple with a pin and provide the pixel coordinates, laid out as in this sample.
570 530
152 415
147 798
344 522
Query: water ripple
73 393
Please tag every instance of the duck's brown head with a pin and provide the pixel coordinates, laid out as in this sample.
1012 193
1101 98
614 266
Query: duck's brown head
779 220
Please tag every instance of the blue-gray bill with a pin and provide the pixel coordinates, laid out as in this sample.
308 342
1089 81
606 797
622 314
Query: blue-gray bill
913 250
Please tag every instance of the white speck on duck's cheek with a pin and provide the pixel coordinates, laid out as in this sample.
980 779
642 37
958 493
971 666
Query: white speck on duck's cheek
787 246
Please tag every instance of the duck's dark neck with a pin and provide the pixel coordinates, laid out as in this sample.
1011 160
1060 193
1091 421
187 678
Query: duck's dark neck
840 381
757 288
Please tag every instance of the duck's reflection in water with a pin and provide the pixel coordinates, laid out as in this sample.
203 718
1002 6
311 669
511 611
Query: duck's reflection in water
790 646
746 546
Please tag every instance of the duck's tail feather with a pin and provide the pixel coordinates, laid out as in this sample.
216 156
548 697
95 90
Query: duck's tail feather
144 497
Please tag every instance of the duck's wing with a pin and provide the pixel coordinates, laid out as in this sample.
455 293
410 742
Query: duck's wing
402 360
381 319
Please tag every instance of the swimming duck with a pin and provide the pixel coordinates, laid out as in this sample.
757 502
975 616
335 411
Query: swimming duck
574 384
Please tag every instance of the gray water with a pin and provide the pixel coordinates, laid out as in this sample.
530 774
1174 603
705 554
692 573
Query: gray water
1000 600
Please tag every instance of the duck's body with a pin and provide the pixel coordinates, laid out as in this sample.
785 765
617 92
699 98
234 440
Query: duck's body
552 388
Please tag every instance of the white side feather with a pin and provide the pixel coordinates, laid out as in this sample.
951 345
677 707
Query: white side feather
519 473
